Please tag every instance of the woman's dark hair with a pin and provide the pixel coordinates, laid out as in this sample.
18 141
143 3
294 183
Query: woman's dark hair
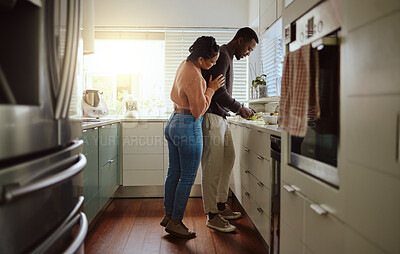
247 34
204 46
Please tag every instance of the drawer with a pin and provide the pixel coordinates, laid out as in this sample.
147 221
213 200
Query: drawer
143 178
91 207
260 168
143 161
91 176
322 233
247 203
108 177
143 138
248 181
262 221
292 207
262 196
90 138
289 243
257 141
244 157
108 143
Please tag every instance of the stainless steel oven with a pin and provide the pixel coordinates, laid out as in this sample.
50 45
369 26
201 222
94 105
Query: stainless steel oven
317 153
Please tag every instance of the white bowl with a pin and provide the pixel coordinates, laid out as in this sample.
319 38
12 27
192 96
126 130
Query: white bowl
272 120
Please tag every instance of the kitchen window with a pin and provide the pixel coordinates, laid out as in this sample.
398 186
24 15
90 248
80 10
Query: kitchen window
144 63
271 58
128 63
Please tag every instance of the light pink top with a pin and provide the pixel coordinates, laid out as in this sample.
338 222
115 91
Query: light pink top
190 90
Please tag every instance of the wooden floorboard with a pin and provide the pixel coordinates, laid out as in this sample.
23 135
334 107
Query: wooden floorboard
132 226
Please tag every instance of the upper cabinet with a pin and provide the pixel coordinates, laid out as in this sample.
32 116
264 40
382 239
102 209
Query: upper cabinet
88 27
267 13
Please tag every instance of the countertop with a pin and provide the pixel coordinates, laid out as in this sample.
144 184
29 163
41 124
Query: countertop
89 123
258 125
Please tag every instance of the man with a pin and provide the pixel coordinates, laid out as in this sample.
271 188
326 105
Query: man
218 152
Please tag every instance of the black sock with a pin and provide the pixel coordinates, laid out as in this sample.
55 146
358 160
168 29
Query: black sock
211 215
221 206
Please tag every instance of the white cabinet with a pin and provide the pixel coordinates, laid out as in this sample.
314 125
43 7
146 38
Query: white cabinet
252 176
372 205
372 144
360 12
307 225
143 153
370 57
268 14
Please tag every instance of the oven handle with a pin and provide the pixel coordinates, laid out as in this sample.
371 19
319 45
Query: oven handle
81 234
62 230
13 192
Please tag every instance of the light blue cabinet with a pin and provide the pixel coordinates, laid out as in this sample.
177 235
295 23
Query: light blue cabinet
101 175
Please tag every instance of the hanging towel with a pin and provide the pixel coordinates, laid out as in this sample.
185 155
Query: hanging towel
299 91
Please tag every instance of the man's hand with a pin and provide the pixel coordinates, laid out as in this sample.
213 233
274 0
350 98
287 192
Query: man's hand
246 112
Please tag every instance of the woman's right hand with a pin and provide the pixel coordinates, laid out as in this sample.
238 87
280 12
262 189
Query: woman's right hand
217 83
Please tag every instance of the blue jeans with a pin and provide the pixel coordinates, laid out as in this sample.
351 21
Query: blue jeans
185 144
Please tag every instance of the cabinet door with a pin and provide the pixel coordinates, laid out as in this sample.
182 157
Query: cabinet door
357 13
323 233
267 14
108 180
91 172
289 243
370 58
292 207
108 143
372 144
143 138
260 168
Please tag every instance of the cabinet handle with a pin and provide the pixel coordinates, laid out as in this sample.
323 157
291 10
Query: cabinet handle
247 150
246 171
318 209
110 161
260 184
247 194
259 131
294 187
95 128
260 158
288 188
260 210
103 126
84 131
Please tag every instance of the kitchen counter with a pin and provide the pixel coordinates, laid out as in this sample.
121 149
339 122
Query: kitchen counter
93 123
258 125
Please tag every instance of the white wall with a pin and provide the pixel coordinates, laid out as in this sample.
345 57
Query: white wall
171 13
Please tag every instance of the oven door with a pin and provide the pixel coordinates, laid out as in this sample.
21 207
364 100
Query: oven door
317 152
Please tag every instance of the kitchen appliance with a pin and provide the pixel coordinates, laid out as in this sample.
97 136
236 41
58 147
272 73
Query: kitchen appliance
94 104
40 164
130 106
316 153
276 191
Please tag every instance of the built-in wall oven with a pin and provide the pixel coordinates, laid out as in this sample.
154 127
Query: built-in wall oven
317 153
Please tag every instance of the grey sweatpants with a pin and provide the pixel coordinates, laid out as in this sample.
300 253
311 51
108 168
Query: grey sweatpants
217 161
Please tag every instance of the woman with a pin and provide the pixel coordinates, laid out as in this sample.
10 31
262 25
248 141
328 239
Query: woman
191 98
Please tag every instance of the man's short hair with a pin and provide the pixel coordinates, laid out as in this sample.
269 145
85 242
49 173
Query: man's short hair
247 34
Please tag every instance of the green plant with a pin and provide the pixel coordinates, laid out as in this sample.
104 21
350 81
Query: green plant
259 80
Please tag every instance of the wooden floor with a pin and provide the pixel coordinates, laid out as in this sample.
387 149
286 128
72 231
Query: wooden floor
132 226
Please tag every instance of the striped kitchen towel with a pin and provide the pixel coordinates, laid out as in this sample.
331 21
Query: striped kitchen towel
299 91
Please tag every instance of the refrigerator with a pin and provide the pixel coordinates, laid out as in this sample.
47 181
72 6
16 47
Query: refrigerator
41 162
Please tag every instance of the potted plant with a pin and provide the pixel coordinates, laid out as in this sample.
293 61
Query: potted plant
259 86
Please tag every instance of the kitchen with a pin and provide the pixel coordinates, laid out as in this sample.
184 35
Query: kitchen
79 156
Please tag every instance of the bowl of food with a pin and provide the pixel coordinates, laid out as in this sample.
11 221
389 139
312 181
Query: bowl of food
268 119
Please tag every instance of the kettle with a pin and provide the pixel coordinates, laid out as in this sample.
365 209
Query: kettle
92 97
